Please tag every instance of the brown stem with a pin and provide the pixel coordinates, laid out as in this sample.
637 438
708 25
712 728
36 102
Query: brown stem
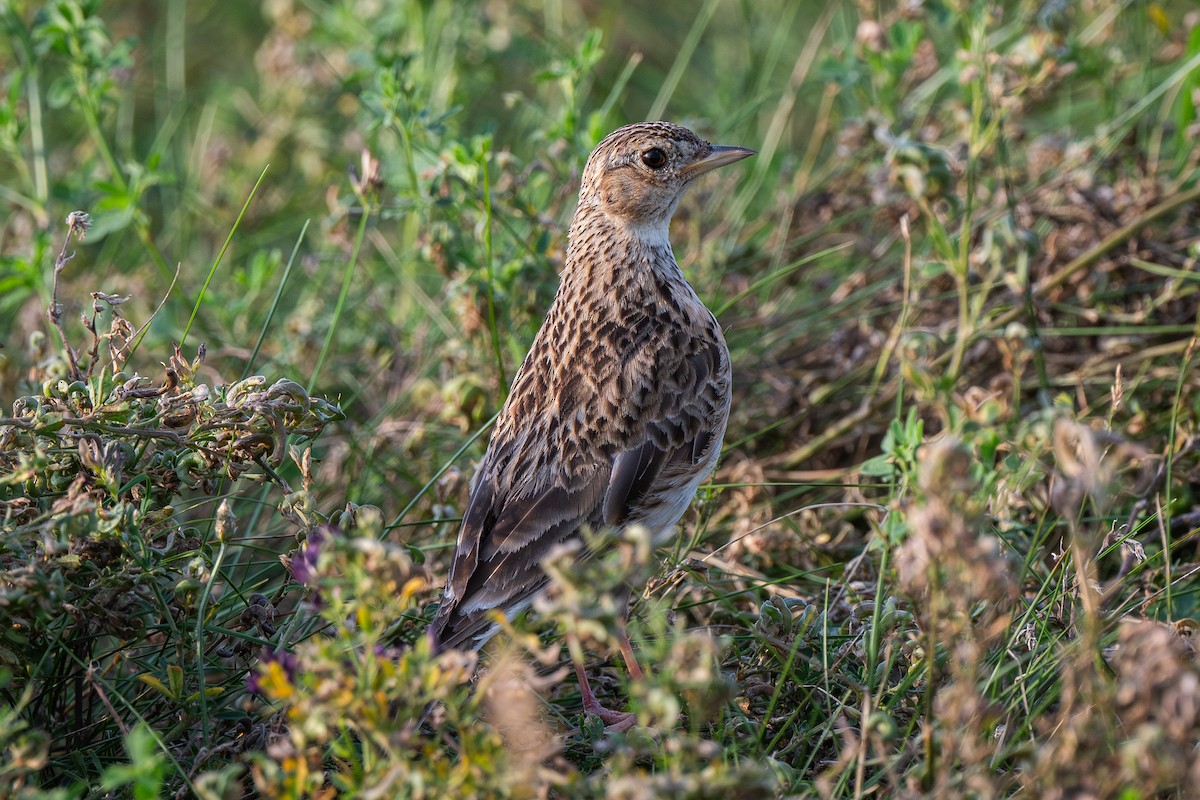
888 391
77 225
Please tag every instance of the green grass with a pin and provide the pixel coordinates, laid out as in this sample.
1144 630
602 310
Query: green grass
950 549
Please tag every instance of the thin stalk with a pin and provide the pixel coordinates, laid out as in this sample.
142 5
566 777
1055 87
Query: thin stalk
37 137
682 59
341 301
489 263
770 278
221 255
395 523
201 612
962 268
287 271
1165 510
618 86
97 134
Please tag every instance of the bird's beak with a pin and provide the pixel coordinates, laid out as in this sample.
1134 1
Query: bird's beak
719 157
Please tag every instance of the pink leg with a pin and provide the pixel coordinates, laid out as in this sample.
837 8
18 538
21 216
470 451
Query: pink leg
618 721
635 671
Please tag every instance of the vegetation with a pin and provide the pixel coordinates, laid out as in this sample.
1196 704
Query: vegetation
951 547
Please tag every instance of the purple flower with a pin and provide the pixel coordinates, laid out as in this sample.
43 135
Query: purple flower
303 565
389 652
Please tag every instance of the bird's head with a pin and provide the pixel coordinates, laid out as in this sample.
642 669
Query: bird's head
638 173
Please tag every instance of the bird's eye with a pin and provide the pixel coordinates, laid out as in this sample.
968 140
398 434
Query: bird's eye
654 158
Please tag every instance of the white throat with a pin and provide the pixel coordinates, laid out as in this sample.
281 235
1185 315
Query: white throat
654 234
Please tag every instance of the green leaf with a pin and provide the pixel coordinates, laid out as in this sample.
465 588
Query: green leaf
878 467
146 770
209 691
175 676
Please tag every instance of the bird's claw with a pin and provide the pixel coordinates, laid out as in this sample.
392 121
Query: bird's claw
614 721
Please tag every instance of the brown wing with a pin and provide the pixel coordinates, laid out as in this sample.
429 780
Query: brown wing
505 536
501 546
677 440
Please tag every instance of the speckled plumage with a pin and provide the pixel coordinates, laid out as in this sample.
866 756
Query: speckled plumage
618 411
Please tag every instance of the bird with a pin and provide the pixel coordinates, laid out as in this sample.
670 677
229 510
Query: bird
617 413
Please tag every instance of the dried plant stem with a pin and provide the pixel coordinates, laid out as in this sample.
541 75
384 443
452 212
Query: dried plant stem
99 690
54 312
887 392
1094 254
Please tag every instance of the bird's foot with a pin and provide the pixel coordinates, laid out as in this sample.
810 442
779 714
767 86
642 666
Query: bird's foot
614 721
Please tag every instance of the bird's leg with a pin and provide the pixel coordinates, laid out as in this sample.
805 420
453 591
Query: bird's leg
635 671
618 721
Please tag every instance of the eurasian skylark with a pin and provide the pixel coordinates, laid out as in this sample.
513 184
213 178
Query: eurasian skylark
617 414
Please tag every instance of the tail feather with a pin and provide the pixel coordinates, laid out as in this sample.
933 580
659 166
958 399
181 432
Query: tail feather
453 630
